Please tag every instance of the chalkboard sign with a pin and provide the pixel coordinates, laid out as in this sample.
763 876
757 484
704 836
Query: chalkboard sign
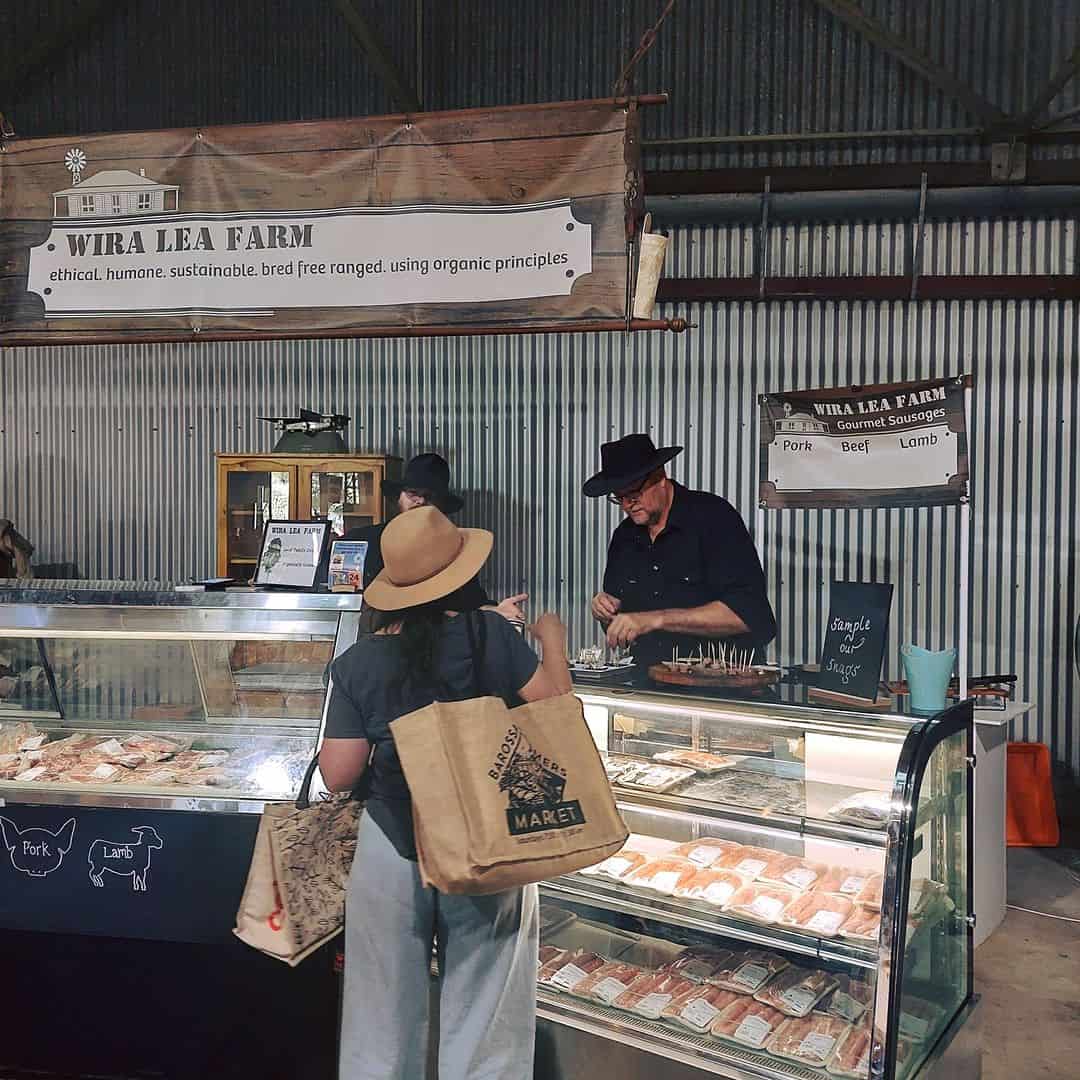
854 644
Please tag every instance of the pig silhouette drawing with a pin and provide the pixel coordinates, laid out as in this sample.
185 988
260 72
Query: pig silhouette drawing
34 850
125 860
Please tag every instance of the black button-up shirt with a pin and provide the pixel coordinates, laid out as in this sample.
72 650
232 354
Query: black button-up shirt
703 554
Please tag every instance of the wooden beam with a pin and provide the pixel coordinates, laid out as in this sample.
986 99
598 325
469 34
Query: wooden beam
1050 91
849 12
39 55
402 94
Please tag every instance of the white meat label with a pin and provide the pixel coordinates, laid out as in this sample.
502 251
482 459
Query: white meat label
913 1027
817 1047
705 855
665 881
698 970
104 772
753 1031
845 1006
751 867
825 922
767 907
35 742
110 746
798 999
700 1013
567 977
652 1005
852 884
615 866
802 877
751 976
718 893
607 990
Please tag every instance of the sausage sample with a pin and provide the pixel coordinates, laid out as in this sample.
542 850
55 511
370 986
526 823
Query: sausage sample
652 992
748 1022
698 1010
818 913
761 903
795 991
705 850
607 982
748 972
808 1041
715 887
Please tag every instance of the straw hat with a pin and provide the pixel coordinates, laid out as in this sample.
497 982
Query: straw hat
426 557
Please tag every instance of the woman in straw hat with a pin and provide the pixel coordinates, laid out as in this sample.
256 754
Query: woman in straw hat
431 645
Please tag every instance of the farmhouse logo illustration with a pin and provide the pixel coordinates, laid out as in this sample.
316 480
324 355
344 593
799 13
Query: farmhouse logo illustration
534 785
111 193
34 850
125 860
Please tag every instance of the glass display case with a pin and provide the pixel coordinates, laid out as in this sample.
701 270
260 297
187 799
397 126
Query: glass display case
344 489
186 699
794 899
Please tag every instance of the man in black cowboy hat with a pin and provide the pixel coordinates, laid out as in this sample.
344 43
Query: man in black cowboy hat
681 569
426 483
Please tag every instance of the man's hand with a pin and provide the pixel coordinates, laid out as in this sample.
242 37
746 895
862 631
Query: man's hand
510 608
626 629
605 607
549 629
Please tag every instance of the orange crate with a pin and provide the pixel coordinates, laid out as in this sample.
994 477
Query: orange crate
1030 810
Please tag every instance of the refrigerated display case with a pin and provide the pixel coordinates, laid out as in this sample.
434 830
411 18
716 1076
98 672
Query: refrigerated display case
794 899
141 733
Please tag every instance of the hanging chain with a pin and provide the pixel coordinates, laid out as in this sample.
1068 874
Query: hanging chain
648 39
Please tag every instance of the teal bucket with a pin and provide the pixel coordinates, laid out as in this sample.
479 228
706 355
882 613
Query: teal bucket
928 675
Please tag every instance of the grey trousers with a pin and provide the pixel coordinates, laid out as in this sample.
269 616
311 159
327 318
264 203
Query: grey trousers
487 948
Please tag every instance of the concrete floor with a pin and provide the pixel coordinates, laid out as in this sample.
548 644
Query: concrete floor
1028 972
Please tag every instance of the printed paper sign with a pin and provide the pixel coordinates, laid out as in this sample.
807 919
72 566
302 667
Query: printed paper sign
899 445
291 553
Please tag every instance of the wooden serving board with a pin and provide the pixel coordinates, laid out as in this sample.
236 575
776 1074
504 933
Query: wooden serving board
751 682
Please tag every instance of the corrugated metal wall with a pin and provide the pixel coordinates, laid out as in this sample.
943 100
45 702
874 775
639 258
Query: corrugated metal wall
106 453
732 67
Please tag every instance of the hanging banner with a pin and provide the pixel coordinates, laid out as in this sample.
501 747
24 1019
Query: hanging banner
902 444
488 218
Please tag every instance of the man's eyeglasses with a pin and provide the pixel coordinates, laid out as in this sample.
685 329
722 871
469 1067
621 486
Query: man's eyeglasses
634 494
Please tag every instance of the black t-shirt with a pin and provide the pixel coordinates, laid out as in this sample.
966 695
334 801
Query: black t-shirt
368 693
703 554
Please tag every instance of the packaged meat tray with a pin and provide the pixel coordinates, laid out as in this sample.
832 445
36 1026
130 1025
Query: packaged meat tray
553 919
698 760
566 971
844 881
652 992
715 887
662 875
795 991
749 971
700 1009
748 1022
705 850
851 1055
547 954
864 924
748 862
799 873
761 903
850 1000
654 776
607 983
870 808
870 894
809 1041
617 866
700 964
819 913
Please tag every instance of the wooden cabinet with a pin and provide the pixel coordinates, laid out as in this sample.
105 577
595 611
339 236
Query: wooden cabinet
345 489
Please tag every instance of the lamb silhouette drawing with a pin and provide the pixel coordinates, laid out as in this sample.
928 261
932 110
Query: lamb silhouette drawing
125 860
34 850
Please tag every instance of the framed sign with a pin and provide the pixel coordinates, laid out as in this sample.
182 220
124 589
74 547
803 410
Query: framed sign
901 444
347 558
854 645
290 554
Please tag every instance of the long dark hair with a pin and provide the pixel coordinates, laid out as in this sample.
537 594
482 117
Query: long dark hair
421 627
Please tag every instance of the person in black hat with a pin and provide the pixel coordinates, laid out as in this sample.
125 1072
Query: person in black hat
427 483
681 569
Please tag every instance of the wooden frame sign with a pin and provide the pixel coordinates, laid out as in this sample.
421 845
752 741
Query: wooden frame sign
902 444
854 646
462 222
291 553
